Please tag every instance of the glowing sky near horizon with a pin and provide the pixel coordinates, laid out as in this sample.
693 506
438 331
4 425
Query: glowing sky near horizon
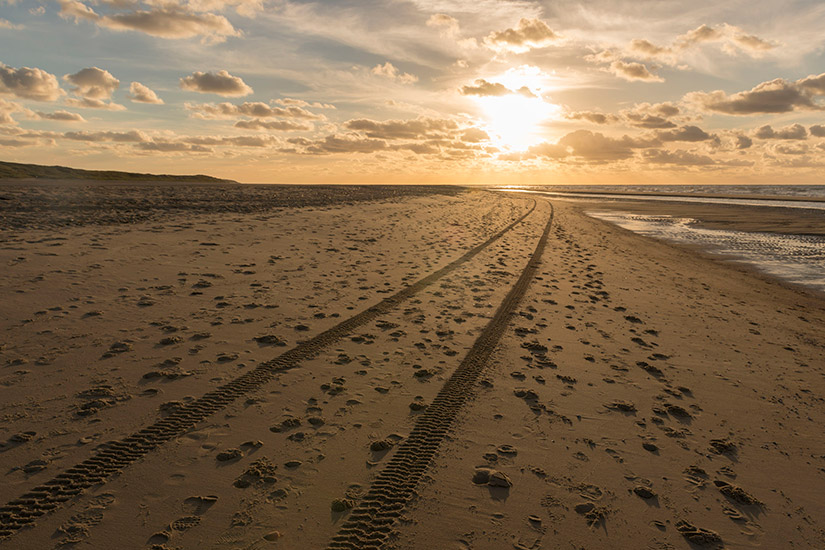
452 91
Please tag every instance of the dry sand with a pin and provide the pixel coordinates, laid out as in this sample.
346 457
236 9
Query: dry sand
353 370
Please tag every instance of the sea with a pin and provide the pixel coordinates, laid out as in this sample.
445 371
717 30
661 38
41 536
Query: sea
794 258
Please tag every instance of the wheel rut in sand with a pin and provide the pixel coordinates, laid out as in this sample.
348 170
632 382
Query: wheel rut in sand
369 525
115 456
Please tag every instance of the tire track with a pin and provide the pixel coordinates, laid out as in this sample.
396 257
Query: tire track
117 455
369 525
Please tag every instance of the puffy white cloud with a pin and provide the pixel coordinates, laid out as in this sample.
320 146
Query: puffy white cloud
220 83
143 94
93 83
29 83
388 70
527 35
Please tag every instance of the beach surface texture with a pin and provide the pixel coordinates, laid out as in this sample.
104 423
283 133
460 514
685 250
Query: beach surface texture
223 367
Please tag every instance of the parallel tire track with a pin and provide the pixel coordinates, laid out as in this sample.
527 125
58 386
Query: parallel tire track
117 455
369 525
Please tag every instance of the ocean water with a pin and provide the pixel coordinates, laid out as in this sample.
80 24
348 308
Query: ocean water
798 259
813 191
726 194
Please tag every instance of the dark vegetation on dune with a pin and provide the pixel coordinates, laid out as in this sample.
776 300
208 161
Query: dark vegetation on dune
49 205
14 170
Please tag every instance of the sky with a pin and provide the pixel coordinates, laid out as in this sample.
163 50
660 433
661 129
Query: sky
419 91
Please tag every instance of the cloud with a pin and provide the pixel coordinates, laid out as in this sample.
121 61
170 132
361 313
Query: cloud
61 116
133 136
632 71
9 107
795 149
29 83
388 70
89 103
247 8
684 133
447 24
648 48
594 117
651 116
774 96
813 84
528 34
171 147
475 135
548 150
420 128
282 125
484 88
340 144
172 20
220 83
678 157
6 24
597 146
73 9
256 109
173 24
817 130
732 38
287 101
139 93
93 83
796 131
743 142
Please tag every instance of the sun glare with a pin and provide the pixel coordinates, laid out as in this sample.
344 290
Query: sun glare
514 121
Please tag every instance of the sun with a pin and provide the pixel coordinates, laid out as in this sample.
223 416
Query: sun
517 120
514 122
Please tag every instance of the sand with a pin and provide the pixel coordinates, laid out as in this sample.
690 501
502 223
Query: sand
413 368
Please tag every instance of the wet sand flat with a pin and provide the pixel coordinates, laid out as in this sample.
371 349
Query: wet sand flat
416 368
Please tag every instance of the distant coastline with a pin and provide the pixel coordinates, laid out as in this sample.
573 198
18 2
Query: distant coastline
18 171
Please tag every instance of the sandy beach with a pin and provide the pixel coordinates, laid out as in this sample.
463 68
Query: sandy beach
255 367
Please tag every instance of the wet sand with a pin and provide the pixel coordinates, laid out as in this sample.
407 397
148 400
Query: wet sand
416 368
